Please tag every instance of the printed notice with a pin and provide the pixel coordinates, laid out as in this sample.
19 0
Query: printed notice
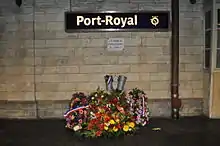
115 44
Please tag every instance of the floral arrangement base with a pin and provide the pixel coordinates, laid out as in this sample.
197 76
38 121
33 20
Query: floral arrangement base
107 114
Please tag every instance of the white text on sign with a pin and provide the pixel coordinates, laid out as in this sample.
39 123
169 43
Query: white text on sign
108 20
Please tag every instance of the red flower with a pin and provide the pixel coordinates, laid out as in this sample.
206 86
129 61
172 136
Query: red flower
84 101
106 118
90 126
81 111
115 100
118 126
98 133
80 121
101 126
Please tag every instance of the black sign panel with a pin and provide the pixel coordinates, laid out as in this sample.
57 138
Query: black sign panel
114 21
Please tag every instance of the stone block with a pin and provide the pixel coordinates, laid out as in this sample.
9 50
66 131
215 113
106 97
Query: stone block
132 77
117 35
160 76
118 6
184 93
40 26
155 6
160 85
101 60
47 87
91 43
77 77
158 94
67 69
130 42
163 67
131 51
191 107
191 58
194 50
53 78
144 76
90 69
89 52
17 95
96 77
195 76
61 61
141 85
160 108
129 59
197 93
116 69
156 41
193 67
89 86
61 87
60 34
151 50
91 35
18 70
37 43
52 96
55 26
59 43
145 34
18 86
197 84
155 59
146 68
54 52
75 60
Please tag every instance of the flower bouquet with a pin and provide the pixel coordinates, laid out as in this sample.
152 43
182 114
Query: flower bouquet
107 114
138 108
77 114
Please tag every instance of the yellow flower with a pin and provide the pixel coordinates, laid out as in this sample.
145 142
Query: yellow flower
117 120
112 122
115 129
131 124
106 127
126 128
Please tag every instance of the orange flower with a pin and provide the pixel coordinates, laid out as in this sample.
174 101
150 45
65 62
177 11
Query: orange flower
106 118
97 114
90 126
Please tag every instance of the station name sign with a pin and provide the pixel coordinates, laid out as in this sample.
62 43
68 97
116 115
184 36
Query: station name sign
114 21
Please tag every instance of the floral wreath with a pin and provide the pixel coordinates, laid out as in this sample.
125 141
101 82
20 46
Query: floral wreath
107 114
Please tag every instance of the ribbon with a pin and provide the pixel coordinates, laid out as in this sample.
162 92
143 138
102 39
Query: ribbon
109 80
75 109
143 110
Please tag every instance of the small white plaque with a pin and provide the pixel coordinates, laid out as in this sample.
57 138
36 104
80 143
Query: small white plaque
115 44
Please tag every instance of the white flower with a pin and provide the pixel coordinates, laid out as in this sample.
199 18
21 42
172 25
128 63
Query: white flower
102 96
93 98
76 128
96 95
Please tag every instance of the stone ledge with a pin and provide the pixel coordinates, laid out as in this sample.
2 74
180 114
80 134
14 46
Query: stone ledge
55 109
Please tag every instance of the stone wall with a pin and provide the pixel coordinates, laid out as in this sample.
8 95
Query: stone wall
60 64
